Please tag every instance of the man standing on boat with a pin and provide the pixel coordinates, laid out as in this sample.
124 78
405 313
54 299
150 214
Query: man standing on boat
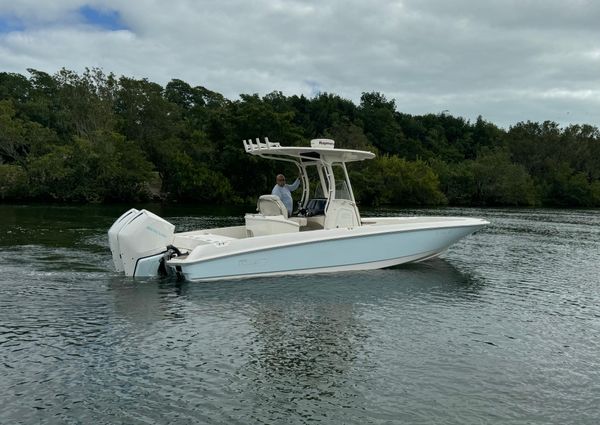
284 192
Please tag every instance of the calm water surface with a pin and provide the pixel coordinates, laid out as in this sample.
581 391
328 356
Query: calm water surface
504 328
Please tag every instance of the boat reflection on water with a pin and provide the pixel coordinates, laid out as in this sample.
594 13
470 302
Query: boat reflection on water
146 300
316 339
288 344
158 298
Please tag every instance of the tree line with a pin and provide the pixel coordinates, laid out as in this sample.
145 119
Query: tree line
95 137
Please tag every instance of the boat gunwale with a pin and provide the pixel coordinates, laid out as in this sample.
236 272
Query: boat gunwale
381 229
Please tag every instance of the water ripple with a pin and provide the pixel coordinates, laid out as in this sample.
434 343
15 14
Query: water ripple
502 329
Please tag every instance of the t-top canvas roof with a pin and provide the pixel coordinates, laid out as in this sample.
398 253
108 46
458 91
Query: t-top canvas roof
320 149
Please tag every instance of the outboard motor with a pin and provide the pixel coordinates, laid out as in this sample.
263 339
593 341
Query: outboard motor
113 233
138 241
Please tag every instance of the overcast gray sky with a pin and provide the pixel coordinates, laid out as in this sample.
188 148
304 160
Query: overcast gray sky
509 60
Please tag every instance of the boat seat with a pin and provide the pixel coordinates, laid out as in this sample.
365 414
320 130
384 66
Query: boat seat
270 205
316 206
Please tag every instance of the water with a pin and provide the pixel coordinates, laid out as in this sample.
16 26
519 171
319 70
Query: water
505 328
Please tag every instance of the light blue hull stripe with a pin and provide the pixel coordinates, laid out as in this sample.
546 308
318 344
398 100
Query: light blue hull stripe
351 252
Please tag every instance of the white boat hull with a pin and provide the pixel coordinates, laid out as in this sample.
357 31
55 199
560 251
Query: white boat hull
379 243
327 235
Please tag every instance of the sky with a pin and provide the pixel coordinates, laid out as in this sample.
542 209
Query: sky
506 60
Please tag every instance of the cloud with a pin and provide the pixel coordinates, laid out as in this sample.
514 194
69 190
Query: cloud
508 61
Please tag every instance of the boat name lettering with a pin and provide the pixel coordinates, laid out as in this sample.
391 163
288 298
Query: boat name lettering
156 232
248 263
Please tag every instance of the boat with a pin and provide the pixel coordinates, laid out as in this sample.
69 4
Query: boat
327 234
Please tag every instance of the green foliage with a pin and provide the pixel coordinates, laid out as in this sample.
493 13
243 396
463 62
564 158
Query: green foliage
380 125
14 87
320 113
395 181
107 168
13 181
120 168
349 136
143 113
567 187
188 181
20 139
491 179
93 137
498 181
457 181
86 102
51 176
